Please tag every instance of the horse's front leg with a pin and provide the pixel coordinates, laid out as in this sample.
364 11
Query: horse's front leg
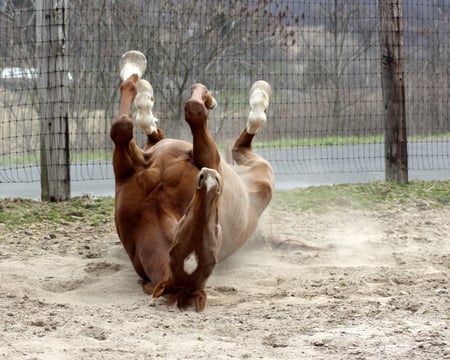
196 108
197 240
193 254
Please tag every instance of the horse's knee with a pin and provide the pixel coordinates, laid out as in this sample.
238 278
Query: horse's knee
195 112
121 130
196 108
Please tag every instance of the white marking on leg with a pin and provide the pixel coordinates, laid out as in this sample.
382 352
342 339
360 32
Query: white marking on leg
144 104
260 95
190 263
210 182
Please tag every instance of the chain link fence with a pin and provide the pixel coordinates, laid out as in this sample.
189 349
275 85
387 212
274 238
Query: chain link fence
322 59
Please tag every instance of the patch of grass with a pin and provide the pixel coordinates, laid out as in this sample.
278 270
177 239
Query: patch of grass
340 140
27 159
20 213
320 141
33 157
90 156
365 196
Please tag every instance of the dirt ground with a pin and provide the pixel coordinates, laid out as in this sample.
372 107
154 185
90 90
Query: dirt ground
341 284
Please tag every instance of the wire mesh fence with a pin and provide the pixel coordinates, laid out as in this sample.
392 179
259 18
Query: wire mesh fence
321 57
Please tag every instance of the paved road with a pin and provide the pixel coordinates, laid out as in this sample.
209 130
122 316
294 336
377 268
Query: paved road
313 166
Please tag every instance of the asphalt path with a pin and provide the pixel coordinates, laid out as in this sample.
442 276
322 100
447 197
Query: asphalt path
294 168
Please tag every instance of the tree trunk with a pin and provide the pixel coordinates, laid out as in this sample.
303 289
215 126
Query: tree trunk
392 76
53 90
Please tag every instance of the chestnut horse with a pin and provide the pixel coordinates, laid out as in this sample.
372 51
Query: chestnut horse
179 208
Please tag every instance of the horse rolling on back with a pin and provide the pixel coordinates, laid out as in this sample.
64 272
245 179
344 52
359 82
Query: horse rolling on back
179 207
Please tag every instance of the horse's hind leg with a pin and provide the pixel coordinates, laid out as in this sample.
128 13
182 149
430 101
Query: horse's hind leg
260 95
255 171
145 119
205 152
197 235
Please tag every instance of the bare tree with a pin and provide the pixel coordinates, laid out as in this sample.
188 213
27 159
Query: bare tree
212 44
342 41
429 71
185 42
19 77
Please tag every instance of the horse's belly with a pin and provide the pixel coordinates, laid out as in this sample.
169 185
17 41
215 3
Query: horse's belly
234 214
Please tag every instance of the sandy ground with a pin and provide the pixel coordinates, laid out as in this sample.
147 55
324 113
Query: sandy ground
343 284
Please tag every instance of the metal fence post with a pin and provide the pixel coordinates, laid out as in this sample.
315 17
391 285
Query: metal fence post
393 88
53 90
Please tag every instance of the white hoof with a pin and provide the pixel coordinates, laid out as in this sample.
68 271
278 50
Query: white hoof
213 104
132 62
143 102
260 95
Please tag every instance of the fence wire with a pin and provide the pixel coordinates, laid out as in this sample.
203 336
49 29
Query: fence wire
322 59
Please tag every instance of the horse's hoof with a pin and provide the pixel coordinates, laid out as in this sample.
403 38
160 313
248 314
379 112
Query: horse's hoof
210 179
132 62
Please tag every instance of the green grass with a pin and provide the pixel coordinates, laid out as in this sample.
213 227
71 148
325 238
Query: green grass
340 140
320 141
90 156
75 157
31 158
366 196
430 137
20 213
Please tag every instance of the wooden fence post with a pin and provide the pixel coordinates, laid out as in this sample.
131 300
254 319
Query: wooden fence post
392 84
53 90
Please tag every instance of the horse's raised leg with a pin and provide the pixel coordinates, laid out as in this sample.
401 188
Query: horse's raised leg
260 95
256 172
193 254
205 152
127 156
145 119
198 234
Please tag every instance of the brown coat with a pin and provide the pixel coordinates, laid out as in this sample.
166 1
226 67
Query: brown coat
175 199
